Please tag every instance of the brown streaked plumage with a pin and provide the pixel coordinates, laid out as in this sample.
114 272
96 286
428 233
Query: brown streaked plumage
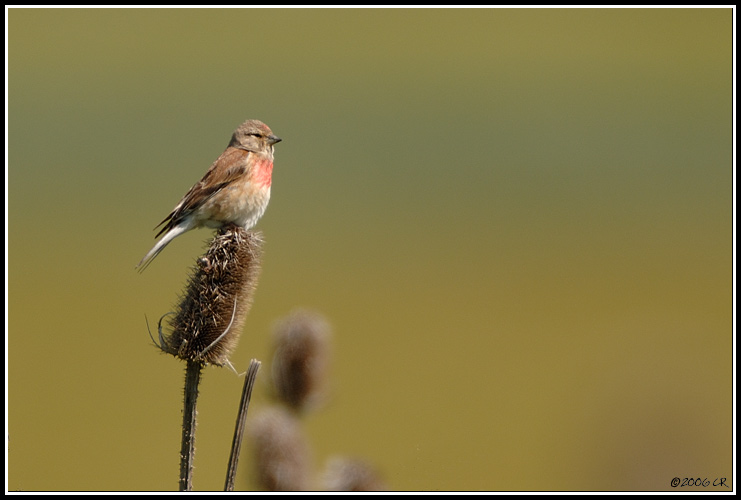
235 189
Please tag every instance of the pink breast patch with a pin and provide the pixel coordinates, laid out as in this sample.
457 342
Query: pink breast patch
263 173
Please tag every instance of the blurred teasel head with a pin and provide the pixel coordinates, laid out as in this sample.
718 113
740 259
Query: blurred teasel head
301 345
351 474
281 453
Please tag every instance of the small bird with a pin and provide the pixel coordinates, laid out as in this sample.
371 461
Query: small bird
235 189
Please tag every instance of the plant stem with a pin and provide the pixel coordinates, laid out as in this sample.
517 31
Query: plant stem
187 446
249 382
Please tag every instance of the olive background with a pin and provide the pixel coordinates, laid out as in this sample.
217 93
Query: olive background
518 222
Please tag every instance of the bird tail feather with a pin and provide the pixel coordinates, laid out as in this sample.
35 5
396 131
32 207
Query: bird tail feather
160 245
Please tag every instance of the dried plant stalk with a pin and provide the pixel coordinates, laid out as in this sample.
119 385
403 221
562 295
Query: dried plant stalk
206 326
249 382
187 443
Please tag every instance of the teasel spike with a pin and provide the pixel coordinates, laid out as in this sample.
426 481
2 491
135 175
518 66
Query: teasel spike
301 347
281 453
210 316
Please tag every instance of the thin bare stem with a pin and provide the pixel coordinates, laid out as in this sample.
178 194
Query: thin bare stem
187 446
249 382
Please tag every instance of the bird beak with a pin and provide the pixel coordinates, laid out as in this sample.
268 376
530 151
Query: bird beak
272 139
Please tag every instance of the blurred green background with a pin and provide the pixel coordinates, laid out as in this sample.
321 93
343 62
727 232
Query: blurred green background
517 222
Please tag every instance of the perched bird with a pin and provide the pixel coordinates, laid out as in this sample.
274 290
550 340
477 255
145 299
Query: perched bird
235 189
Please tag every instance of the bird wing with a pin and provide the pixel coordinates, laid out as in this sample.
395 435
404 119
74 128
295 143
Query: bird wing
230 166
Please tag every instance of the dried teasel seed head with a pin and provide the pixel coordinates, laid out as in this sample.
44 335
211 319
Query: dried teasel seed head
301 344
281 453
209 319
350 474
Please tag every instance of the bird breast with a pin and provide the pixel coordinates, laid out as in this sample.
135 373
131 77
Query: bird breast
241 203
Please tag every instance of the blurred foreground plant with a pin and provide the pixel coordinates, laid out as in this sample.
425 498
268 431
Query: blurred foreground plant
300 366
